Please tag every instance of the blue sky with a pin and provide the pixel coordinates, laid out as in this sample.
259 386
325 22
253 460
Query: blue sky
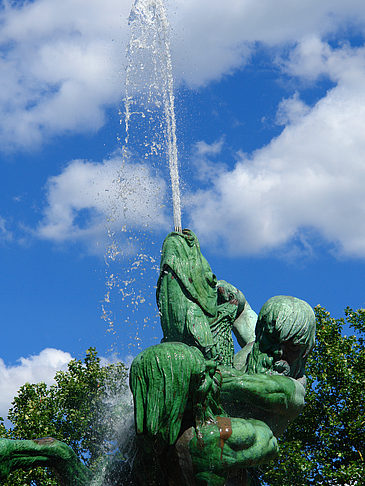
270 107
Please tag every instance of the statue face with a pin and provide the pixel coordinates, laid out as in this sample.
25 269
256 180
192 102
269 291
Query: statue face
286 356
227 293
285 333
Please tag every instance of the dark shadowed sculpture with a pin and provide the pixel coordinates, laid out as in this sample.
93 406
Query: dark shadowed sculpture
47 452
203 416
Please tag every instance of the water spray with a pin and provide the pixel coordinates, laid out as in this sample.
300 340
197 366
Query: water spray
150 44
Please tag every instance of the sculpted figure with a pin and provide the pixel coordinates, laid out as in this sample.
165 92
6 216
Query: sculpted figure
203 416
48 452
186 292
174 388
184 435
271 386
264 396
180 386
194 307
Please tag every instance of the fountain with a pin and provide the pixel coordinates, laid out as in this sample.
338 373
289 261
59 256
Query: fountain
203 414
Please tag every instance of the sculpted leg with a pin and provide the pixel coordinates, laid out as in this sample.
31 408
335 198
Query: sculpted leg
230 444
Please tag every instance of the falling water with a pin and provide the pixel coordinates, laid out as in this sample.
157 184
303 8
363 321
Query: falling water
150 87
149 137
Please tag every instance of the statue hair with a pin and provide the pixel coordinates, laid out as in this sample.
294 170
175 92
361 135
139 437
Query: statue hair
287 319
290 319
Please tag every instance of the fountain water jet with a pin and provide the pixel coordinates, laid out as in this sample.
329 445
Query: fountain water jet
150 133
150 86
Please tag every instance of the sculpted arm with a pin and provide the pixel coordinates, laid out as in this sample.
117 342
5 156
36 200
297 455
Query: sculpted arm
277 394
244 326
48 452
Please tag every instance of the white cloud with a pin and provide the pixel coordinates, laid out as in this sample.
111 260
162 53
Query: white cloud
62 63
203 149
87 197
291 110
202 156
212 38
5 234
310 179
61 66
34 369
313 58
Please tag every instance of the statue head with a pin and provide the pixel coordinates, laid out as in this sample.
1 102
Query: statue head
227 293
285 335
187 236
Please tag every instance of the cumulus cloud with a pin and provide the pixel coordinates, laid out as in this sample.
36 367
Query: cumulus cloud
87 197
309 180
203 149
62 63
202 157
212 38
34 369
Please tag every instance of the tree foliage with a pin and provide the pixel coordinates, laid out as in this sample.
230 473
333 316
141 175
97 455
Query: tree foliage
81 409
325 445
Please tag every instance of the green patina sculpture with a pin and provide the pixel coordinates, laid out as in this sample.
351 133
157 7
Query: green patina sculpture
173 387
203 415
271 386
194 307
47 452
186 292
217 437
